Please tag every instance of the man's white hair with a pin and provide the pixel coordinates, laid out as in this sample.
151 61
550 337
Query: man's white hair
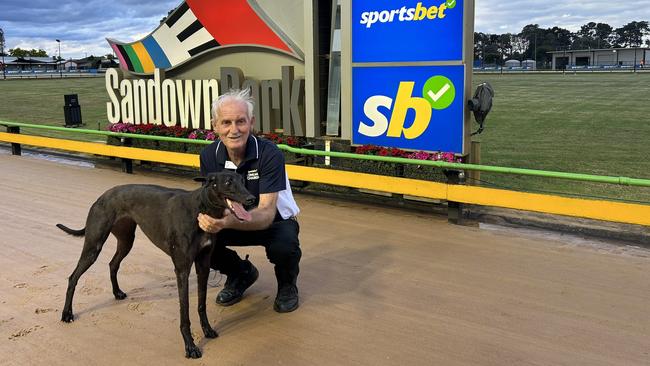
237 95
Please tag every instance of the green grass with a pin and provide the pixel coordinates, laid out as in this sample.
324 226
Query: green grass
40 101
583 123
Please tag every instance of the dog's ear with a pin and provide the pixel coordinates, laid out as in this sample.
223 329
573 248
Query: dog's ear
200 179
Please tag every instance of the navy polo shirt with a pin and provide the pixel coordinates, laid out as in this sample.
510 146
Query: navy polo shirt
262 169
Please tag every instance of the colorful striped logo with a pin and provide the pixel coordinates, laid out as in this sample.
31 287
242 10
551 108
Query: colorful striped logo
198 26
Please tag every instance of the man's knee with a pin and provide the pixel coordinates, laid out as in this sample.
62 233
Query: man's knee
285 246
282 253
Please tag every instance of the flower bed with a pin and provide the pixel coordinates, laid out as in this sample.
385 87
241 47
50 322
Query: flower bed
399 153
187 133
415 171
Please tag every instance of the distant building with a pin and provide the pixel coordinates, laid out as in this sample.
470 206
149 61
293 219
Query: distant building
70 65
600 58
90 63
529 65
29 64
22 65
513 64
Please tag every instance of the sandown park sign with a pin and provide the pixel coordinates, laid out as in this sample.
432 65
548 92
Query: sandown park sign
187 102
202 48
196 27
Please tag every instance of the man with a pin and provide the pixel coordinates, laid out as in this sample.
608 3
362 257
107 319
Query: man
273 216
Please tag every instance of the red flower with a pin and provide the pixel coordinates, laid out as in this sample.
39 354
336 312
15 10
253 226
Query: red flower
396 152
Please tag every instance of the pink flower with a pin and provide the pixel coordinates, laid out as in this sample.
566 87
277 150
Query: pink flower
420 155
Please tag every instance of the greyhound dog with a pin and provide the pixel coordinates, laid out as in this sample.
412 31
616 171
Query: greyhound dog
168 217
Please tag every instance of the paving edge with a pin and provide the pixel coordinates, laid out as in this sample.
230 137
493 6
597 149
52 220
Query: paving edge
628 233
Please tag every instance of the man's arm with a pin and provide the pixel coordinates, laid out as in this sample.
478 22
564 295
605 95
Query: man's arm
262 217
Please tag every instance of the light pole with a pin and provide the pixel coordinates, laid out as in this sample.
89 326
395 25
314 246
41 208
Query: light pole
58 61
535 51
2 52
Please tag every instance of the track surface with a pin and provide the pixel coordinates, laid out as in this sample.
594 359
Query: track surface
378 286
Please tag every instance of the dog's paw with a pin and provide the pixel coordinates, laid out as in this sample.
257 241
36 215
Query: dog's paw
192 351
210 333
66 316
119 295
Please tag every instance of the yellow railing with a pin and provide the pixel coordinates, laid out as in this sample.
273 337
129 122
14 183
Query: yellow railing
592 209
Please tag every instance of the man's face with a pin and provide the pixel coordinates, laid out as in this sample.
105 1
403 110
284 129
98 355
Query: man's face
233 126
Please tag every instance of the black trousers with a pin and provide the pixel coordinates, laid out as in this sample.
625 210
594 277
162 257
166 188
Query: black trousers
281 243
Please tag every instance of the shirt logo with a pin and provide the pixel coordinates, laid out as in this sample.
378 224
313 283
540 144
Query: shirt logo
252 175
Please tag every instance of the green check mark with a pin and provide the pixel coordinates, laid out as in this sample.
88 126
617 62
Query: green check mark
451 4
439 91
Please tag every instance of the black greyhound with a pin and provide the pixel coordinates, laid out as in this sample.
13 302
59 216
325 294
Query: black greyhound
168 217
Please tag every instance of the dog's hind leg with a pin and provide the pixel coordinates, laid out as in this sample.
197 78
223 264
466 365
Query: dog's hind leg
124 231
97 231
202 265
182 277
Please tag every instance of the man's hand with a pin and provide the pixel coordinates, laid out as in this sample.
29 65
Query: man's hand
211 225
261 217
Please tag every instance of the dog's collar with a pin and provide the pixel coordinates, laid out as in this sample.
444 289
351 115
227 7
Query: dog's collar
206 205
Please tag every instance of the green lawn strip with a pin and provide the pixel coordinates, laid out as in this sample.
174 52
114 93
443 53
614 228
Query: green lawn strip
41 102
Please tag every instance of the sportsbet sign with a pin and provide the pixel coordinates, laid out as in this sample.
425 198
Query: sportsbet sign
410 74
418 107
399 31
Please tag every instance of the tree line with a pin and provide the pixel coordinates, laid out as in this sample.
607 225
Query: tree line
533 42
19 52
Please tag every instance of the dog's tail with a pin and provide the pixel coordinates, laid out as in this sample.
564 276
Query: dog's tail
72 232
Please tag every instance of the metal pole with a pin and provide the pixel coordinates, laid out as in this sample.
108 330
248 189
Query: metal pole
501 57
2 51
475 158
535 51
58 61
634 59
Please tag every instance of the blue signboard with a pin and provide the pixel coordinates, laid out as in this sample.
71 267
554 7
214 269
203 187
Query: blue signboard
409 107
405 31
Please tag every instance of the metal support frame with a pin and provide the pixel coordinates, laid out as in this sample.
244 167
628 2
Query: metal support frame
454 209
15 148
127 164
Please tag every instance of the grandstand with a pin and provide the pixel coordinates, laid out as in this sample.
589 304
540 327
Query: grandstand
29 64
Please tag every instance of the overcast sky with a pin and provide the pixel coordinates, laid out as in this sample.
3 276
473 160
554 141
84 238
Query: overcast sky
82 26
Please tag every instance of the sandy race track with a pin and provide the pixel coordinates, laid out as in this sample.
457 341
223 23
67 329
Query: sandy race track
378 287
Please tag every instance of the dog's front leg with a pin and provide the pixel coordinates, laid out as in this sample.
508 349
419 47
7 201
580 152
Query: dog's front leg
182 275
202 265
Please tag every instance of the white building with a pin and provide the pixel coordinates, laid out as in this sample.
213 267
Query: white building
601 58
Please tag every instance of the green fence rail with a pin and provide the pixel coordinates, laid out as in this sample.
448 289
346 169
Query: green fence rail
439 164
